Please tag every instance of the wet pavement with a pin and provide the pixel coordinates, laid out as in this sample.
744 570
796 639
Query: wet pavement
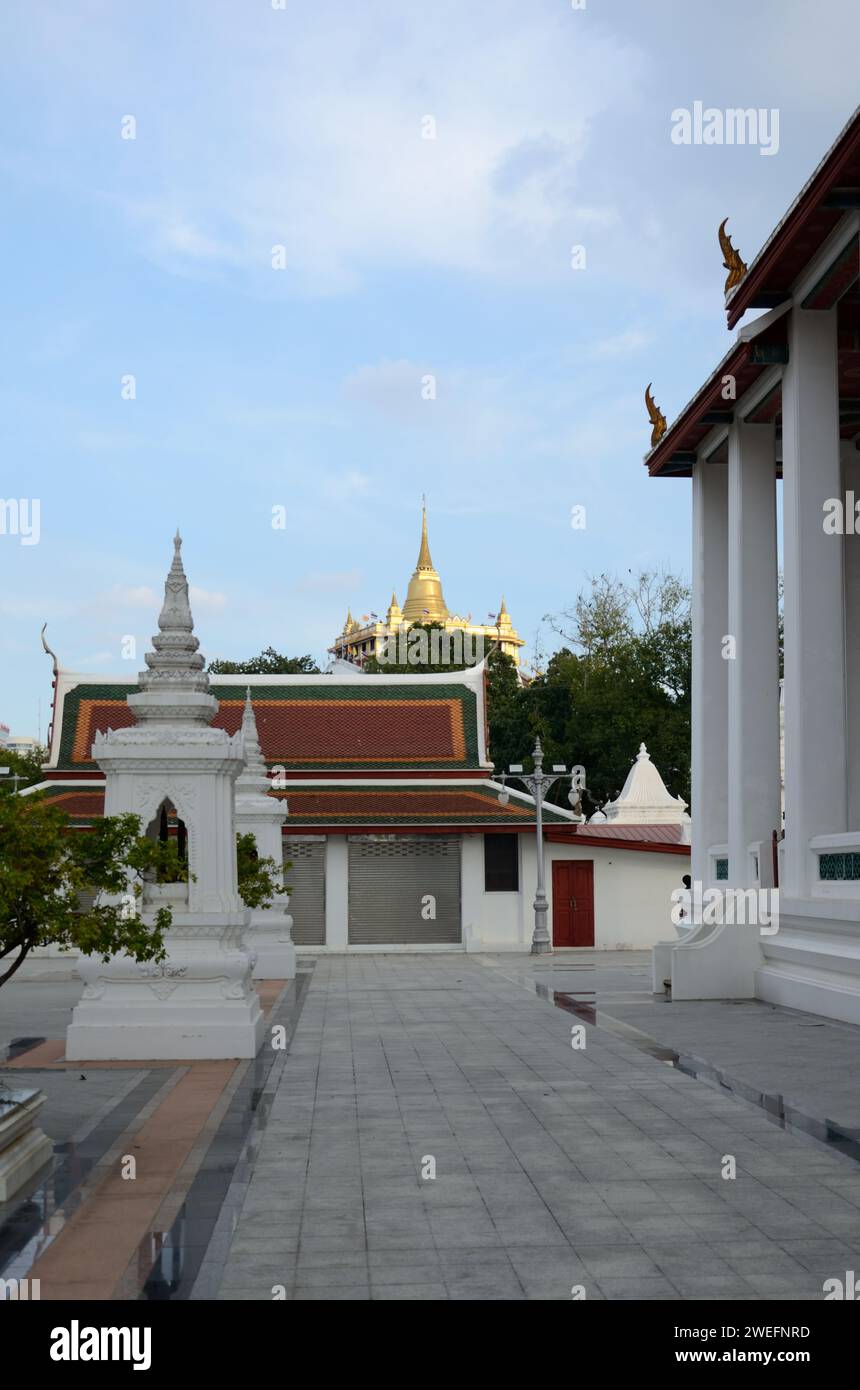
797 1067
555 1169
428 1131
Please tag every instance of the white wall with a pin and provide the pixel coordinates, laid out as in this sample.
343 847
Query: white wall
632 896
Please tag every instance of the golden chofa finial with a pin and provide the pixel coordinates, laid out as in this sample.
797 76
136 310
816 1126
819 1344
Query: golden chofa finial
731 259
656 416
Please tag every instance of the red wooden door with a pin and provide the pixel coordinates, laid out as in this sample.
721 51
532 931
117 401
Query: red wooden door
573 902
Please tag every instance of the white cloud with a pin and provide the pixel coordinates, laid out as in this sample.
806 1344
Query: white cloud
308 134
394 388
206 600
131 596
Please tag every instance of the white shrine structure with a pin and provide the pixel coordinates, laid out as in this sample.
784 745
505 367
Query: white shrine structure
644 799
261 815
200 1002
784 403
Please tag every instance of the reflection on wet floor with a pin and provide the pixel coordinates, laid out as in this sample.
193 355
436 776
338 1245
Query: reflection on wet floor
167 1260
170 1260
185 1258
32 1220
583 1005
19 1045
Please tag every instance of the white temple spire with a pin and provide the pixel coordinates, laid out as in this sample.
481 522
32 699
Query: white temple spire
644 797
254 779
175 685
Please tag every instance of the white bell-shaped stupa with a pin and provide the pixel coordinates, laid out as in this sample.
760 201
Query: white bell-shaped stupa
644 798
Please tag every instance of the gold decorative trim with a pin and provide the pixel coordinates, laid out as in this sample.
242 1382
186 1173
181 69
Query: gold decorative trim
656 416
731 259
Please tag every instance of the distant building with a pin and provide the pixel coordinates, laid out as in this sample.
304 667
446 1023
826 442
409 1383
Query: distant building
16 743
425 603
395 830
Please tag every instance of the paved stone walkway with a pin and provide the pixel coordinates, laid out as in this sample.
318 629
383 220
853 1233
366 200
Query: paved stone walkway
554 1168
806 1060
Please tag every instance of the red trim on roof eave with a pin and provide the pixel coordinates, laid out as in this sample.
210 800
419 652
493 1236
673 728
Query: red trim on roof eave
598 841
820 184
478 775
557 834
662 452
291 829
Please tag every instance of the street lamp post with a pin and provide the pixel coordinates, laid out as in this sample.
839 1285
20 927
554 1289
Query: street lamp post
538 784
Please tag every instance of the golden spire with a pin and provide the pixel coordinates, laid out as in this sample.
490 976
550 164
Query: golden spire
424 561
424 600
731 259
656 416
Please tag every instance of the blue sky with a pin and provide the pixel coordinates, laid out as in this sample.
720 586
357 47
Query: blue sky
302 127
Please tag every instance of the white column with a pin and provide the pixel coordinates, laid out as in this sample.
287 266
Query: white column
851 549
710 674
472 891
753 671
336 892
815 742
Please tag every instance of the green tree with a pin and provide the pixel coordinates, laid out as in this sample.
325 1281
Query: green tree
25 769
508 712
52 879
268 663
259 879
374 667
630 681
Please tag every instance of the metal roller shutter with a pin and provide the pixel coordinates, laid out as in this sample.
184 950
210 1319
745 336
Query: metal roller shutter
306 882
389 883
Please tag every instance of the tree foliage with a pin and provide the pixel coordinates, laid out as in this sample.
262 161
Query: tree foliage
27 767
52 882
623 677
268 663
259 879
374 667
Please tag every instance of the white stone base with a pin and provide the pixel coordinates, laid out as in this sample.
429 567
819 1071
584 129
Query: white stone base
199 1003
269 939
716 961
175 1033
24 1149
813 961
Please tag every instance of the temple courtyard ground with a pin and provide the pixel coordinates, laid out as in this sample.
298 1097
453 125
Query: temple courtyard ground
428 1131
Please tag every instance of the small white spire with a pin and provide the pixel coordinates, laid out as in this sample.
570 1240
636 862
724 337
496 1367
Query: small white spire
175 657
254 760
175 687
645 798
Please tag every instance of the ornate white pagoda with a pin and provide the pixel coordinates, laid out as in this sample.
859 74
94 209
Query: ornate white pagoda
200 1002
645 798
261 815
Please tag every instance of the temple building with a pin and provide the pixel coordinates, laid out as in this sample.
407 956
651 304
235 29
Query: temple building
396 832
425 603
776 426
